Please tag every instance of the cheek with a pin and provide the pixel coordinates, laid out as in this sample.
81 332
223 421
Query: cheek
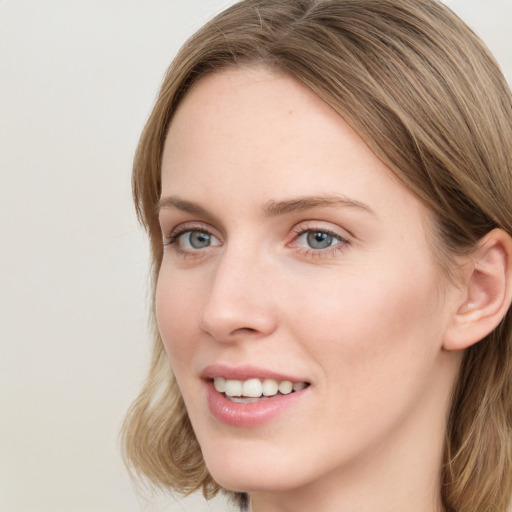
176 316
376 350
369 332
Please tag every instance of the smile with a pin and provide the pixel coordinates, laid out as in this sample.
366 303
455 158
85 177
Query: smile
252 402
254 390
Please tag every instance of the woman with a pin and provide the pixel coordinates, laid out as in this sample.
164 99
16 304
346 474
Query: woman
327 190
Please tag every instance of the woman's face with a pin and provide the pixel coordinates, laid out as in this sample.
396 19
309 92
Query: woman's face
293 255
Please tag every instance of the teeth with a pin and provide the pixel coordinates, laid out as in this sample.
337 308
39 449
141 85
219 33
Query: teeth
297 386
220 384
255 388
270 387
233 387
285 387
252 388
242 400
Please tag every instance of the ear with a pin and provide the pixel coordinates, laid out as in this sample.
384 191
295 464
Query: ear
487 292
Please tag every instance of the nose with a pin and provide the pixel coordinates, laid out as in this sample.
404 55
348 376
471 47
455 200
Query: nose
240 303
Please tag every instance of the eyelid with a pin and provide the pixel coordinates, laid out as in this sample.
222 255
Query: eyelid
186 227
319 226
322 226
298 230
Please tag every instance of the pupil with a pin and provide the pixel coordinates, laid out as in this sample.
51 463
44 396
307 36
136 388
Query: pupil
199 240
319 240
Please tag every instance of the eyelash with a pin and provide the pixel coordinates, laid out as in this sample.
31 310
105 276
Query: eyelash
319 253
297 232
173 239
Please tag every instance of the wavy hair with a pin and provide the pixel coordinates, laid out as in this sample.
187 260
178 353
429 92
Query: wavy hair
426 95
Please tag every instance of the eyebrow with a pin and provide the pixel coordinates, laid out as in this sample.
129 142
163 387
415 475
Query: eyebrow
301 204
182 205
271 208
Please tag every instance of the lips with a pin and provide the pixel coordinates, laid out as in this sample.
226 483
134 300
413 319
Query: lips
246 396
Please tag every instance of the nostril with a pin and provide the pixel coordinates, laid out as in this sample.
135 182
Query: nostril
245 329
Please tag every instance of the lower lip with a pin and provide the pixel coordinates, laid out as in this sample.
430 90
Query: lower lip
253 414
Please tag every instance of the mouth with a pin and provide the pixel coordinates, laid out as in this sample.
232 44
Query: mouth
248 396
255 390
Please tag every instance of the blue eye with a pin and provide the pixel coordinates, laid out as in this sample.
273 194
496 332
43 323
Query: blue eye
196 240
192 240
318 240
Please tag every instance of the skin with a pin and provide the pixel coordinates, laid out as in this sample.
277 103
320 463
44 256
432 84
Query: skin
362 320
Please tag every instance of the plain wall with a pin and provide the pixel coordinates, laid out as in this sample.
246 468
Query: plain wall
77 81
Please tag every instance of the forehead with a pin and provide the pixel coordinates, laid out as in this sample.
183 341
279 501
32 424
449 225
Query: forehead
248 136
250 97
251 117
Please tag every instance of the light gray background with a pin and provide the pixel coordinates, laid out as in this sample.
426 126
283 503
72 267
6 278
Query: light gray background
77 81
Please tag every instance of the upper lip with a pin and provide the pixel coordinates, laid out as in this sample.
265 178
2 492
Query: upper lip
245 372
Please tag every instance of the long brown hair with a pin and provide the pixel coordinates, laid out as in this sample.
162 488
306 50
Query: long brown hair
428 98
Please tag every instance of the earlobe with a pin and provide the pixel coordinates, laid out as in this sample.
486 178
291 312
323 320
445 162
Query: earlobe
487 292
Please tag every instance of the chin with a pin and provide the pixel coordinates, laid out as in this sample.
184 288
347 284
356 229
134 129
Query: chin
257 468
242 472
241 481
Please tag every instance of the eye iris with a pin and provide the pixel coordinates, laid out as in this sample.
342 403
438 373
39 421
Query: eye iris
199 239
319 240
